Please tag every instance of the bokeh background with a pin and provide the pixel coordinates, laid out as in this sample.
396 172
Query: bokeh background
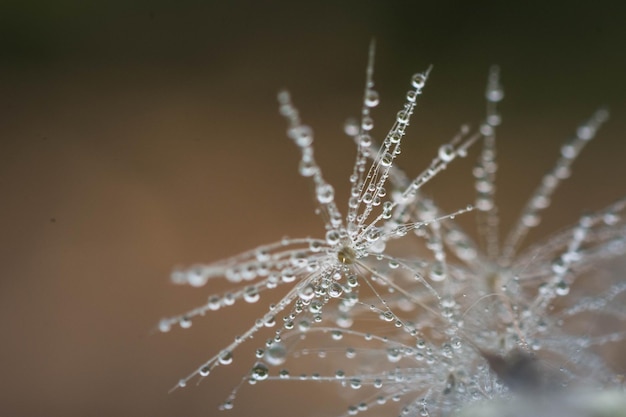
140 135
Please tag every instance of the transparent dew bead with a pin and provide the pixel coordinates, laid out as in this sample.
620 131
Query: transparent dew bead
332 237
251 294
351 127
337 334
307 168
270 321
373 234
411 96
365 140
371 98
302 135
325 193
344 321
486 129
437 272
418 80
585 132
185 322
562 288
446 153
387 316
386 160
288 275
335 290
204 370
558 266
494 119
393 355
315 306
225 358
276 354
355 383
228 299
165 326
367 123
307 292
402 117
531 219
304 325
484 202
350 353
259 372
315 246
495 94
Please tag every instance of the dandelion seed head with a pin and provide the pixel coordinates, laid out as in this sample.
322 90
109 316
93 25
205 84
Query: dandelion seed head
402 307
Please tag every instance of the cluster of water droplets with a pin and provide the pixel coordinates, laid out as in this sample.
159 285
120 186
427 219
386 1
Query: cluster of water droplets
405 305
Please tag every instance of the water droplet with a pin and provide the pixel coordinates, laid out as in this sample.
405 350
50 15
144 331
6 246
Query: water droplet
302 135
335 290
531 219
251 294
365 140
165 325
226 357
373 234
446 153
332 237
185 322
315 306
307 167
585 132
367 123
494 119
287 275
562 288
355 383
387 316
386 160
259 372
403 117
204 370
304 325
393 355
307 292
351 127
418 80
371 98
495 94
228 299
486 129
276 354
437 272
325 193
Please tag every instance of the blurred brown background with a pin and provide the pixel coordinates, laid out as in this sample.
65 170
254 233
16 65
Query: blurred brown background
137 136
